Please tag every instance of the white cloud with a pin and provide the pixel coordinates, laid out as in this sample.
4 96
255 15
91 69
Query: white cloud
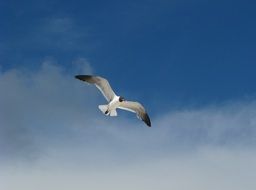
52 136
36 104
205 169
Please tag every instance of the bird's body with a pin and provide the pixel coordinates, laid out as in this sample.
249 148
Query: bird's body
115 101
110 108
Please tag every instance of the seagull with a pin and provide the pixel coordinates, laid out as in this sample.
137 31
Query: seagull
115 101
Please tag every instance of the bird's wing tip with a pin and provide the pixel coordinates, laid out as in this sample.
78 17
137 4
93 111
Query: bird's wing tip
77 76
80 77
83 77
147 120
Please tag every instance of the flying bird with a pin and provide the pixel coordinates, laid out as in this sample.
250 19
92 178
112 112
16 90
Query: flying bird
115 101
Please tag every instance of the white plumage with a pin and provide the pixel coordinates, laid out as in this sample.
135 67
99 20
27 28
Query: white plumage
115 101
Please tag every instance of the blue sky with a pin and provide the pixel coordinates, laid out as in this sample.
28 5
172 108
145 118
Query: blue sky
191 51
191 63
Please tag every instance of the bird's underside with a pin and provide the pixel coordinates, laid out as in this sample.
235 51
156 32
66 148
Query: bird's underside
115 101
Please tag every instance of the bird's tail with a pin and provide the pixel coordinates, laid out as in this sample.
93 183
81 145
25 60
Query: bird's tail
113 113
104 109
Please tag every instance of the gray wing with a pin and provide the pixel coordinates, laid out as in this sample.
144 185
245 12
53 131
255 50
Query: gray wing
137 108
101 83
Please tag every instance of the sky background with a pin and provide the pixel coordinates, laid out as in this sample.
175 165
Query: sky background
190 63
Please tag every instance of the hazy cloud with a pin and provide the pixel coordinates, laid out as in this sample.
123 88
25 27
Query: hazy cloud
52 35
34 104
52 136
64 32
208 168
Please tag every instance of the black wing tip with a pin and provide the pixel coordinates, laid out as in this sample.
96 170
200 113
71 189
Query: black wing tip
83 77
146 119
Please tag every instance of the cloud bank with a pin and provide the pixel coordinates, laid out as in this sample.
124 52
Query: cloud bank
52 136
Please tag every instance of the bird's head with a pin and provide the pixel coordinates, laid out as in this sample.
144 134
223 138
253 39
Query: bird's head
121 99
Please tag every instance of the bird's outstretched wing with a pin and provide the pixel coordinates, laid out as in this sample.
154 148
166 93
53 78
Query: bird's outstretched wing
101 83
137 108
